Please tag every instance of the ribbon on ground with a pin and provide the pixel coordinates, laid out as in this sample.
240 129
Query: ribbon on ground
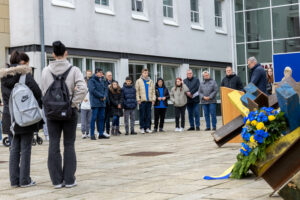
224 175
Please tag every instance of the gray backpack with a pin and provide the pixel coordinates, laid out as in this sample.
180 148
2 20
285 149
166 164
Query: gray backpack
23 107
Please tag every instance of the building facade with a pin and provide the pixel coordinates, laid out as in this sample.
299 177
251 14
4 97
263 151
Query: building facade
264 28
124 36
4 31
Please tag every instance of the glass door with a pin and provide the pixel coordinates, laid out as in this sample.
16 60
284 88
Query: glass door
135 71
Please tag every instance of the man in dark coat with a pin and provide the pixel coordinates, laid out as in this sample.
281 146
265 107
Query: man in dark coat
231 80
257 75
98 98
193 100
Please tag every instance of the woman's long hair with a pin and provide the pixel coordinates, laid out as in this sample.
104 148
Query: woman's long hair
270 78
176 86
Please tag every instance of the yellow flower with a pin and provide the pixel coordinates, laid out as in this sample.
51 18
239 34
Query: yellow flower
243 148
252 139
260 126
254 123
271 117
248 122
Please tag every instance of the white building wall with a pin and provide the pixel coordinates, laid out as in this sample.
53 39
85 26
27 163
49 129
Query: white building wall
84 28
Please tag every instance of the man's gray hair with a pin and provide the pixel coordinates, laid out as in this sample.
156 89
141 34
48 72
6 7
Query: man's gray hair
252 59
108 72
205 72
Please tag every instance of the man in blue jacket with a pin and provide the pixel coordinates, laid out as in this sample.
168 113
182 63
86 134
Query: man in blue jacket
257 75
98 98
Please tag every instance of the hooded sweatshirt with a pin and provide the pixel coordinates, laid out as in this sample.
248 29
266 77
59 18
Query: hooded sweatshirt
75 81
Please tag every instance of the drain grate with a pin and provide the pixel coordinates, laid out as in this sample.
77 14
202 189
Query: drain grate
147 154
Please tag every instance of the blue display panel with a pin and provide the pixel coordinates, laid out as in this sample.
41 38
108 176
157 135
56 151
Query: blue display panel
282 60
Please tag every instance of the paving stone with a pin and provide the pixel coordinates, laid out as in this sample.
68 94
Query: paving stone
103 173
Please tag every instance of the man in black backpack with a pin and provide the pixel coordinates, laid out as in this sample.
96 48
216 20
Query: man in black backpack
62 115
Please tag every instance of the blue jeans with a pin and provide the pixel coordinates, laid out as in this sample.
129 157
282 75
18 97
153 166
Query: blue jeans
194 114
145 115
99 113
116 121
210 110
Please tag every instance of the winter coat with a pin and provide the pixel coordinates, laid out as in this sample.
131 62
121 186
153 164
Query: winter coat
98 92
259 78
74 79
141 90
129 97
208 88
9 77
193 84
115 99
232 81
178 96
157 94
108 83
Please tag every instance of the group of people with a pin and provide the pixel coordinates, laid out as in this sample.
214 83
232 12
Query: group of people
64 91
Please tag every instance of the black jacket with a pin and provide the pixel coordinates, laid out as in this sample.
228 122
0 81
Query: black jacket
9 77
115 98
259 78
193 84
232 81
129 97
157 94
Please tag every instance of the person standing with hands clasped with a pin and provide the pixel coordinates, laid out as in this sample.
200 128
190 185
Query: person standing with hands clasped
145 95
129 104
116 102
179 98
161 104
208 92
193 100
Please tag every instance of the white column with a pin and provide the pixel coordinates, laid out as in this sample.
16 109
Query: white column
122 70
182 70
35 61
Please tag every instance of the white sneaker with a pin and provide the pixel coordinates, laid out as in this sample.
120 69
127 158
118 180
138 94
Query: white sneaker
72 185
83 136
59 186
32 183
106 134
148 130
142 131
87 135
181 129
177 129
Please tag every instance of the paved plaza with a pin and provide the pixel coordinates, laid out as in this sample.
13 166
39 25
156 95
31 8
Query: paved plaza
104 170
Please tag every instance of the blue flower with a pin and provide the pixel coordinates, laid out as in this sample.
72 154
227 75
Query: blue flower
245 149
265 118
245 120
259 138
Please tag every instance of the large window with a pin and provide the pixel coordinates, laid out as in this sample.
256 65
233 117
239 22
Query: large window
258 25
252 4
239 24
286 22
137 5
168 8
218 14
104 7
283 2
195 17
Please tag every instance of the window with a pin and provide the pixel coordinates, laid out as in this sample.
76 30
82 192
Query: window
137 5
63 3
258 25
195 11
102 2
168 8
106 66
218 14
104 7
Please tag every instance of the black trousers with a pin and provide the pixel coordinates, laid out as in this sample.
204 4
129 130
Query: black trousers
180 112
159 117
66 172
19 159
